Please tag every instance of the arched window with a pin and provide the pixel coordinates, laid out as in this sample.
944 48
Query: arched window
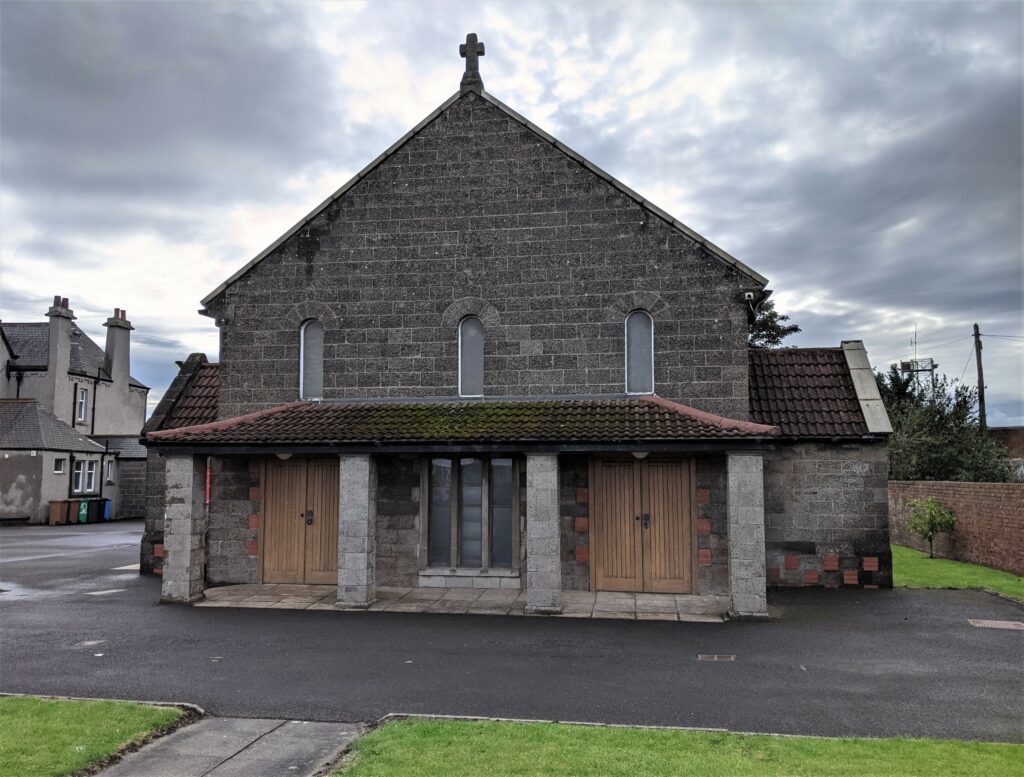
471 357
639 353
311 360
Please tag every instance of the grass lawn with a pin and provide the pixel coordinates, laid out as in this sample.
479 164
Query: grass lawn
435 748
913 569
53 738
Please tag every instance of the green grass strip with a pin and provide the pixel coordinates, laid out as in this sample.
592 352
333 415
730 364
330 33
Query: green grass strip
57 737
913 569
437 748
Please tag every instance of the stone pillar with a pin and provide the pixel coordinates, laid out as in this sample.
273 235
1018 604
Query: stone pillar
185 520
543 540
357 530
746 536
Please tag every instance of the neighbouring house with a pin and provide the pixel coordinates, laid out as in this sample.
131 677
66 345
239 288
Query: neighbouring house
1011 438
77 415
485 362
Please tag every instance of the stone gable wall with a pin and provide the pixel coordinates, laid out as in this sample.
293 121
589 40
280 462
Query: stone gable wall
476 214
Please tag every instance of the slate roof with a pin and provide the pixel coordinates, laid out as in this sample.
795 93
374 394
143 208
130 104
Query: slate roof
191 398
31 342
124 447
640 419
24 425
806 392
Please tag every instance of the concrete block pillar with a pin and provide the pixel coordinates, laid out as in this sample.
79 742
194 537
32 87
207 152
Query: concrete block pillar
185 527
357 527
747 583
543 540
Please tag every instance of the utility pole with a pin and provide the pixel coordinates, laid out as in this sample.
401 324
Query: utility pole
981 379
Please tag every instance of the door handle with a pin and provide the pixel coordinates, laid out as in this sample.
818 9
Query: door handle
309 517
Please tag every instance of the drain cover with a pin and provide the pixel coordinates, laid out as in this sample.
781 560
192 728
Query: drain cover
715 657
984 624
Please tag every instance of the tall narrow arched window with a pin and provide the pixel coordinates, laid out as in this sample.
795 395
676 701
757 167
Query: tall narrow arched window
311 360
639 353
471 357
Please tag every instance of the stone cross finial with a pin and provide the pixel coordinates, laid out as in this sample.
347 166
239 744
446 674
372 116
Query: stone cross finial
470 51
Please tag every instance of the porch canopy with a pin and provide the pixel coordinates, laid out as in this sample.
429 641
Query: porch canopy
382 426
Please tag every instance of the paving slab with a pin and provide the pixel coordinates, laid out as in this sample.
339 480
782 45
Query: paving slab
239 747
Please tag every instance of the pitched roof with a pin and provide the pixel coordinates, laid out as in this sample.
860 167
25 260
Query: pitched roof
126 447
542 135
31 342
191 398
638 419
24 425
806 392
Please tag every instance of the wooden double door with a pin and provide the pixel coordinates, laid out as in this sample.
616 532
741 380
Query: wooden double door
300 521
641 533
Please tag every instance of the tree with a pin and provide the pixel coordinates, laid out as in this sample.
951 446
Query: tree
769 327
929 518
936 435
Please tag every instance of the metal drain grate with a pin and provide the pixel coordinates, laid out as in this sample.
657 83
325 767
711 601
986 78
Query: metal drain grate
715 657
984 624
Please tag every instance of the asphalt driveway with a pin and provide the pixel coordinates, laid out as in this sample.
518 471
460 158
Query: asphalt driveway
836 662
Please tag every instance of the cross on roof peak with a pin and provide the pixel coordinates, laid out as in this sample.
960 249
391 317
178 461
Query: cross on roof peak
471 50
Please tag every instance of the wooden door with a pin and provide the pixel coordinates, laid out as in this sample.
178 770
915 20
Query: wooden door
616 542
322 534
667 553
284 529
641 526
300 521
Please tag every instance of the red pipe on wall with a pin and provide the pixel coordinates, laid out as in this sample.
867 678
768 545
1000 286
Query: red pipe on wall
207 502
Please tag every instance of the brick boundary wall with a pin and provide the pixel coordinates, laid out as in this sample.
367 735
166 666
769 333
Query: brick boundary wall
989 521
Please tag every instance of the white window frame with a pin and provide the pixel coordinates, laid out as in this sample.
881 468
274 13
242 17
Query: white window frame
625 360
302 360
79 477
482 377
90 476
58 465
83 404
110 471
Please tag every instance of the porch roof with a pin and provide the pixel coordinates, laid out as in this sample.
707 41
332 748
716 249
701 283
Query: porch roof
606 421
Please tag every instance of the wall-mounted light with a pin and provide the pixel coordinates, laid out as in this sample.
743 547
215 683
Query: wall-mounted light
640 454
283 456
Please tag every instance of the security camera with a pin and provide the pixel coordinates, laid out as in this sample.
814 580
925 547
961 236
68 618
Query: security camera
748 296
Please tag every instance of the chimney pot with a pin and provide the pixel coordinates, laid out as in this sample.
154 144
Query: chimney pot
117 312
56 300
124 315
64 302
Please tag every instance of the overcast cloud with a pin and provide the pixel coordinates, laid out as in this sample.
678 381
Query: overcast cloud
866 157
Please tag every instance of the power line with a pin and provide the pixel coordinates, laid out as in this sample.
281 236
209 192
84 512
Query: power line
969 355
1007 337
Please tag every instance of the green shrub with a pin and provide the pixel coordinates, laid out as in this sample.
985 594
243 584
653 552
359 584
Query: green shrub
928 518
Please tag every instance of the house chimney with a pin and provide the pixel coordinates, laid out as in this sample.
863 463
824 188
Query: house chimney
57 392
117 354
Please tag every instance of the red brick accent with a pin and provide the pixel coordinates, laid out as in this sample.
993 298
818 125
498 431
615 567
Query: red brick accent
583 553
254 521
792 561
703 496
703 526
582 525
989 521
850 577
774 574
870 563
870 587
255 494
831 583
158 570
158 550
704 557
582 496
811 576
830 563
254 548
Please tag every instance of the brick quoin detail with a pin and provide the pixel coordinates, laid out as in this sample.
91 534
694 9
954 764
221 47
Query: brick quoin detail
871 563
811 576
253 548
158 550
583 553
582 525
703 496
704 557
774 574
255 494
703 526
989 521
851 577
254 522
582 496
792 562
830 563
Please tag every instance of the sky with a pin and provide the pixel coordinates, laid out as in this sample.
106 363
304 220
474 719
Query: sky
866 157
